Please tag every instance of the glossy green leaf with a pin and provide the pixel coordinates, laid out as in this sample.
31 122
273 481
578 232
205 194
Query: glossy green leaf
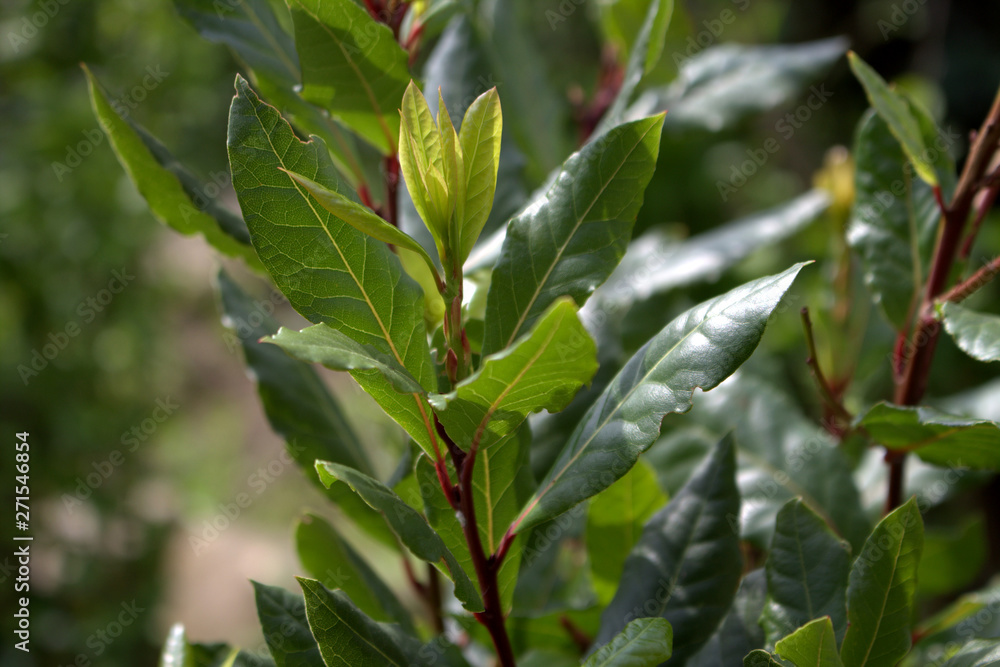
698 349
978 334
738 633
297 404
644 642
614 522
624 22
721 85
569 240
936 437
895 111
175 648
283 621
760 658
812 645
331 272
895 218
543 370
479 139
352 66
174 196
421 161
330 559
408 524
686 566
807 572
976 653
881 591
362 218
348 638
453 160
322 344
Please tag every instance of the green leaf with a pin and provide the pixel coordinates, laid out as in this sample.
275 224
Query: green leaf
330 559
895 111
881 591
178 652
614 521
346 637
352 66
408 524
479 138
721 85
421 161
569 240
325 345
895 218
738 633
453 160
976 653
175 648
543 370
362 218
812 645
698 349
174 196
686 566
952 558
331 272
760 658
807 572
934 436
624 22
977 334
644 642
283 621
298 405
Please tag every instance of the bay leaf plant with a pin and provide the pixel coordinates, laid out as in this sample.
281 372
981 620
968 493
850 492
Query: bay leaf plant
465 252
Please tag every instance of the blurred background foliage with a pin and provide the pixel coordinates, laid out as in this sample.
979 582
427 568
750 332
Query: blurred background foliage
123 536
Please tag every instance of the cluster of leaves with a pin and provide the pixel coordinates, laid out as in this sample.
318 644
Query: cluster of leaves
459 304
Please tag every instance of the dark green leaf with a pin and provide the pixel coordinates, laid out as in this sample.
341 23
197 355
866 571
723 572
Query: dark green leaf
807 572
698 349
739 632
881 591
760 658
569 240
978 334
644 642
408 524
812 645
934 436
686 566
283 621
352 66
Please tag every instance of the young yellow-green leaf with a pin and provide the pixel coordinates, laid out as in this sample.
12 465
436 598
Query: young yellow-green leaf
881 591
331 272
812 645
170 191
408 524
421 161
362 218
977 334
614 522
698 349
543 370
479 138
892 107
282 616
936 437
353 66
454 171
569 240
644 642
807 570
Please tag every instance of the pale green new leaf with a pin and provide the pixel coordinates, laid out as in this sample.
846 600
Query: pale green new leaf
812 645
936 437
282 616
978 334
543 370
421 161
881 591
353 66
644 642
479 138
453 161
569 240
408 524
894 109
698 349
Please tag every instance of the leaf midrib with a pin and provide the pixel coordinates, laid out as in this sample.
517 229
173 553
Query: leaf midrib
364 639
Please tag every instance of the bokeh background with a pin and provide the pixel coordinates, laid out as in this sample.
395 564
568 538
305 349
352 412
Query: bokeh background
149 372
